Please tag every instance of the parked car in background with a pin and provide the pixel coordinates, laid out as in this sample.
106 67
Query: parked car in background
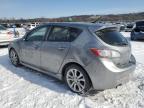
4 25
18 29
33 25
5 36
84 55
138 31
121 27
129 27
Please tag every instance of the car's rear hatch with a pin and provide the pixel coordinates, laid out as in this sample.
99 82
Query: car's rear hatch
139 27
115 41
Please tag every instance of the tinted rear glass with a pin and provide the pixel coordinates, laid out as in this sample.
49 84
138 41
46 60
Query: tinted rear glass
111 37
140 23
130 26
74 33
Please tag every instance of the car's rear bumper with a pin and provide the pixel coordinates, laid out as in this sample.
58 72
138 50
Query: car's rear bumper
105 77
6 42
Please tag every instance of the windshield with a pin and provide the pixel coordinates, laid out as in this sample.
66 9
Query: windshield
2 27
111 36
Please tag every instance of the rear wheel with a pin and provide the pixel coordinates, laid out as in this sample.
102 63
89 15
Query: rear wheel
14 57
77 79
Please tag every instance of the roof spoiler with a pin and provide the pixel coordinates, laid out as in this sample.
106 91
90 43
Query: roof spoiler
98 28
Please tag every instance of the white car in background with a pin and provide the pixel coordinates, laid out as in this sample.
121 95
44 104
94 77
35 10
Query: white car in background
33 25
6 36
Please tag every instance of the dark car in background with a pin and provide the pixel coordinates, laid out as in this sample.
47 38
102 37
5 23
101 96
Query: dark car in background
138 31
129 27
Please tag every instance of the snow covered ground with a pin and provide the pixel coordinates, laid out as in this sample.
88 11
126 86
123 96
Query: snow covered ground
25 88
21 31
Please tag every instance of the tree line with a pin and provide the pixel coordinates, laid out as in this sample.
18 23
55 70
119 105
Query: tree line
130 17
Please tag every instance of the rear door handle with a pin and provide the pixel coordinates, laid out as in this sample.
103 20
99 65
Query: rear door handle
61 48
36 46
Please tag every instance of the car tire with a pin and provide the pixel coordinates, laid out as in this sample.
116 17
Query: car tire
77 79
14 57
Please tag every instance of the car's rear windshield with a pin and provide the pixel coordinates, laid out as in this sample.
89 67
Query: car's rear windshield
112 37
2 27
141 23
130 26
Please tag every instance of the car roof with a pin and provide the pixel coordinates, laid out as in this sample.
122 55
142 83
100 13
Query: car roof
83 24
91 26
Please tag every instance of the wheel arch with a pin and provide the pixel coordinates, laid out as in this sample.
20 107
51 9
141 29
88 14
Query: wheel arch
73 63
12 48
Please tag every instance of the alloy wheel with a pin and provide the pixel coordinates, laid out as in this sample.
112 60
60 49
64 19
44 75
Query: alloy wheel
13 57
75 80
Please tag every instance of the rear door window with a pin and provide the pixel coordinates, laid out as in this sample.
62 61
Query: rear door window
74 33
111 36
63 34
59 34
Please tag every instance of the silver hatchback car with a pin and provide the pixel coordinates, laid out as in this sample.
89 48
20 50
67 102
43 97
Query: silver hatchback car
84 55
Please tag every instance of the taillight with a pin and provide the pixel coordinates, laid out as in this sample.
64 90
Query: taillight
104 53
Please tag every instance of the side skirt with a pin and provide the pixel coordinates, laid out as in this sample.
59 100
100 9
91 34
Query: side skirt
58 75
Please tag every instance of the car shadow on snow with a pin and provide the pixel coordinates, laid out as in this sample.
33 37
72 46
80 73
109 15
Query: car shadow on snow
39 78
34 77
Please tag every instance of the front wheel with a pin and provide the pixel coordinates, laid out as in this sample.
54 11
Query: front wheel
14 57
77 79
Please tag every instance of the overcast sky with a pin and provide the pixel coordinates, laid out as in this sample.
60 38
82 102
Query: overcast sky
59 8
